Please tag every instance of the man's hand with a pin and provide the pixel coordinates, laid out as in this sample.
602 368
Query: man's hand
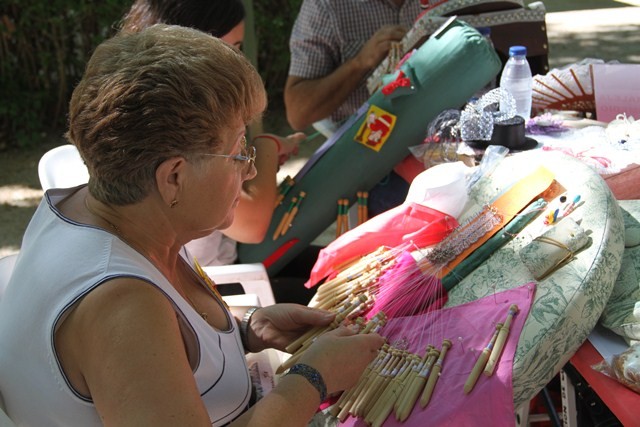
378 46
310 100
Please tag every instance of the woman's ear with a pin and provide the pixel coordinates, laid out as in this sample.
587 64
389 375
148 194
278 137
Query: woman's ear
170 176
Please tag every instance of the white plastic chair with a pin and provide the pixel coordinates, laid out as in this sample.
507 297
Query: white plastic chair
62 167
6 267
252 277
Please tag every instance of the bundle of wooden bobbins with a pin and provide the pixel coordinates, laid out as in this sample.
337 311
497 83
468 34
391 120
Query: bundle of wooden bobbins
392 383
357 279
397 379
346 314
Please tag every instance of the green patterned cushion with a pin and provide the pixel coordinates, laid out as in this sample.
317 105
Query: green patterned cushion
568 302
619 314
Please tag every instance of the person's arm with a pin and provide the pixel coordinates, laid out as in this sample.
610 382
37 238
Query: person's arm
309 100
339 357
257 200
123 345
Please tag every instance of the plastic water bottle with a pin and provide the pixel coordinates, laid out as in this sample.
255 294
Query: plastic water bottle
516 78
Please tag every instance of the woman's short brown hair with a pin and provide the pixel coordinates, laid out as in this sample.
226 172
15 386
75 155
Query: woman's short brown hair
146 97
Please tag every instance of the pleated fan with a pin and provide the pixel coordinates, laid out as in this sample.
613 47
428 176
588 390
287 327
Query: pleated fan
567 88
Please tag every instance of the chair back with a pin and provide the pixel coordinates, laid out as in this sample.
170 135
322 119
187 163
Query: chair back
62 167
6 268
252 277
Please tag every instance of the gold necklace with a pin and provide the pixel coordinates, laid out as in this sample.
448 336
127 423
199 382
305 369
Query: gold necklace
202 314
184 294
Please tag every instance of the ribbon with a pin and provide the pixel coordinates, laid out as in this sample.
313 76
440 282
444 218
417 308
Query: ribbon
401 81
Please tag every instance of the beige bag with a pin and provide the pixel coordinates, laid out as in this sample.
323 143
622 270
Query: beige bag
554 248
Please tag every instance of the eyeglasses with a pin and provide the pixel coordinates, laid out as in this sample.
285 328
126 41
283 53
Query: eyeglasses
247 155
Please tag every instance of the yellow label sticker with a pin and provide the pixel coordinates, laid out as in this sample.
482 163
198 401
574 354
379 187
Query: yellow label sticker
375 128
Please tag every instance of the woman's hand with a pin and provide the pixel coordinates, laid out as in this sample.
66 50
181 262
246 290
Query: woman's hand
341 355
276 326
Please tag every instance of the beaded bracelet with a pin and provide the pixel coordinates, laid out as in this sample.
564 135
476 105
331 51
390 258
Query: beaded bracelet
311 375
272 138
244 327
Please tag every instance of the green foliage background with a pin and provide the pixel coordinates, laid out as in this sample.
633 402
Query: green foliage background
45 44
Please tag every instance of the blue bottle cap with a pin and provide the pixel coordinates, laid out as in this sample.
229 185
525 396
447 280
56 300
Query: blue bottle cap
517 51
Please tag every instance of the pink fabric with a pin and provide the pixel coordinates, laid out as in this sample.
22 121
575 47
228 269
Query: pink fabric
469 327
409 222
404 290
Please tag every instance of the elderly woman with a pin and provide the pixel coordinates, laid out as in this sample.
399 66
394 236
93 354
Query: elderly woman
103 321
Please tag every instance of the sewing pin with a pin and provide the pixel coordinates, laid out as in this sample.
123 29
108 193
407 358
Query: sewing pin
571 206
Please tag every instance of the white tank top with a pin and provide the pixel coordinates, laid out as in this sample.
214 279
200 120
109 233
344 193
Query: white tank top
61 261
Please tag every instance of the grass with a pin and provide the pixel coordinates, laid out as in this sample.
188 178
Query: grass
20 192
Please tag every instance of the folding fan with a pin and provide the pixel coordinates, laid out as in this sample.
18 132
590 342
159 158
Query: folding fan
567 88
